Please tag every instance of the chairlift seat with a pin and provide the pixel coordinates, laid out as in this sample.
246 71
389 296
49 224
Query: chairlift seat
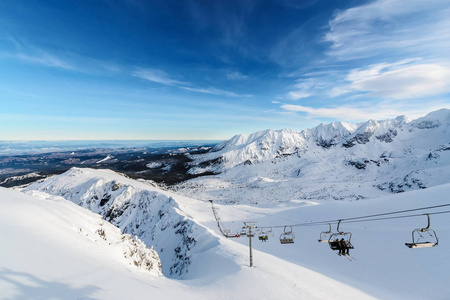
287 240
324 241
287 237
421 245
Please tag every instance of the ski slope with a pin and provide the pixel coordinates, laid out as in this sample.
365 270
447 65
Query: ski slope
385 268
45 256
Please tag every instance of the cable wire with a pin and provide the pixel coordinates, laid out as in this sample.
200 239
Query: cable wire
361 218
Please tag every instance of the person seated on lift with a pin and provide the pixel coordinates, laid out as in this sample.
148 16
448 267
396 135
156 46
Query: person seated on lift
343 249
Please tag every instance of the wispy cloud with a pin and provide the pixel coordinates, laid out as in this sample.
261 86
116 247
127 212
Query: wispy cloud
363 112
156 75
212 91
162 77
44 59
31 54
401 80
296 95
304 88
236 76
412 26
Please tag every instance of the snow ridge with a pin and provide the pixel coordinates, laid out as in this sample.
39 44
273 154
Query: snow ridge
136 208
271 144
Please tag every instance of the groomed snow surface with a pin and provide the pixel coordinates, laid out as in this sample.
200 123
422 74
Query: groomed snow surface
45 256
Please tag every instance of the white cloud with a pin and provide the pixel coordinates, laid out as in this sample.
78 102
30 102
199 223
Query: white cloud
339 90
404 26
400 80
296 95
212 91
340 113
409 82
156 75
162 77
304 88
236 76
378 111
43 58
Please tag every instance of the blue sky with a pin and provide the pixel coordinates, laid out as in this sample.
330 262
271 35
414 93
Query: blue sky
204 69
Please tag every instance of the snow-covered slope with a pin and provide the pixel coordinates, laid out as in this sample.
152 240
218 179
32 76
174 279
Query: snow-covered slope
332 161
44 232
45 255
137 209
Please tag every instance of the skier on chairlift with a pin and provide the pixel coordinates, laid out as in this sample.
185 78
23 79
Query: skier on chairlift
343 247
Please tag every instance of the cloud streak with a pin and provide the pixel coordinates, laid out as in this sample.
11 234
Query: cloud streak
362 113
212 91
371 29
157 76
401 80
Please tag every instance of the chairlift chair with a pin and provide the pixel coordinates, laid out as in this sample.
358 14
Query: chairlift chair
287 237
265 233
325 236
421 241
334 240
228 234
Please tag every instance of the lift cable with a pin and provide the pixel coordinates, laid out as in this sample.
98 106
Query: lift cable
397 217
361 219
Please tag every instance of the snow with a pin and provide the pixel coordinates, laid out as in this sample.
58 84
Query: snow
385 269
154 165
108 157
328 162
44 256
275 178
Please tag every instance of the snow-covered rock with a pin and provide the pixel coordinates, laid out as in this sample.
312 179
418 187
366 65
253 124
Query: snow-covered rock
137 209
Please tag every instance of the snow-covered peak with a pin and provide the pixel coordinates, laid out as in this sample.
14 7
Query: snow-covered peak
403 119
267 145
248 149
330 134
433 119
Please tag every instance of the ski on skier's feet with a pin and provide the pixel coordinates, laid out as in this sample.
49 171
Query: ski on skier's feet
345 256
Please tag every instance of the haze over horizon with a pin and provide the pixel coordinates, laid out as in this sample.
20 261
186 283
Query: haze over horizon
208 70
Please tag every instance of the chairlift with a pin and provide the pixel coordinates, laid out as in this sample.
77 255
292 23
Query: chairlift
421 241
335 238
228 234
325 236
265 233
243 232
287 237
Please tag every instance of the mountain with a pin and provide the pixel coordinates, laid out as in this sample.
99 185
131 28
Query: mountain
331 161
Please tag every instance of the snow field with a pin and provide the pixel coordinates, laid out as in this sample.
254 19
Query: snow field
385 268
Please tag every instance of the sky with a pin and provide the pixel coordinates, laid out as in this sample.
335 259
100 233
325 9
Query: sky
211 69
